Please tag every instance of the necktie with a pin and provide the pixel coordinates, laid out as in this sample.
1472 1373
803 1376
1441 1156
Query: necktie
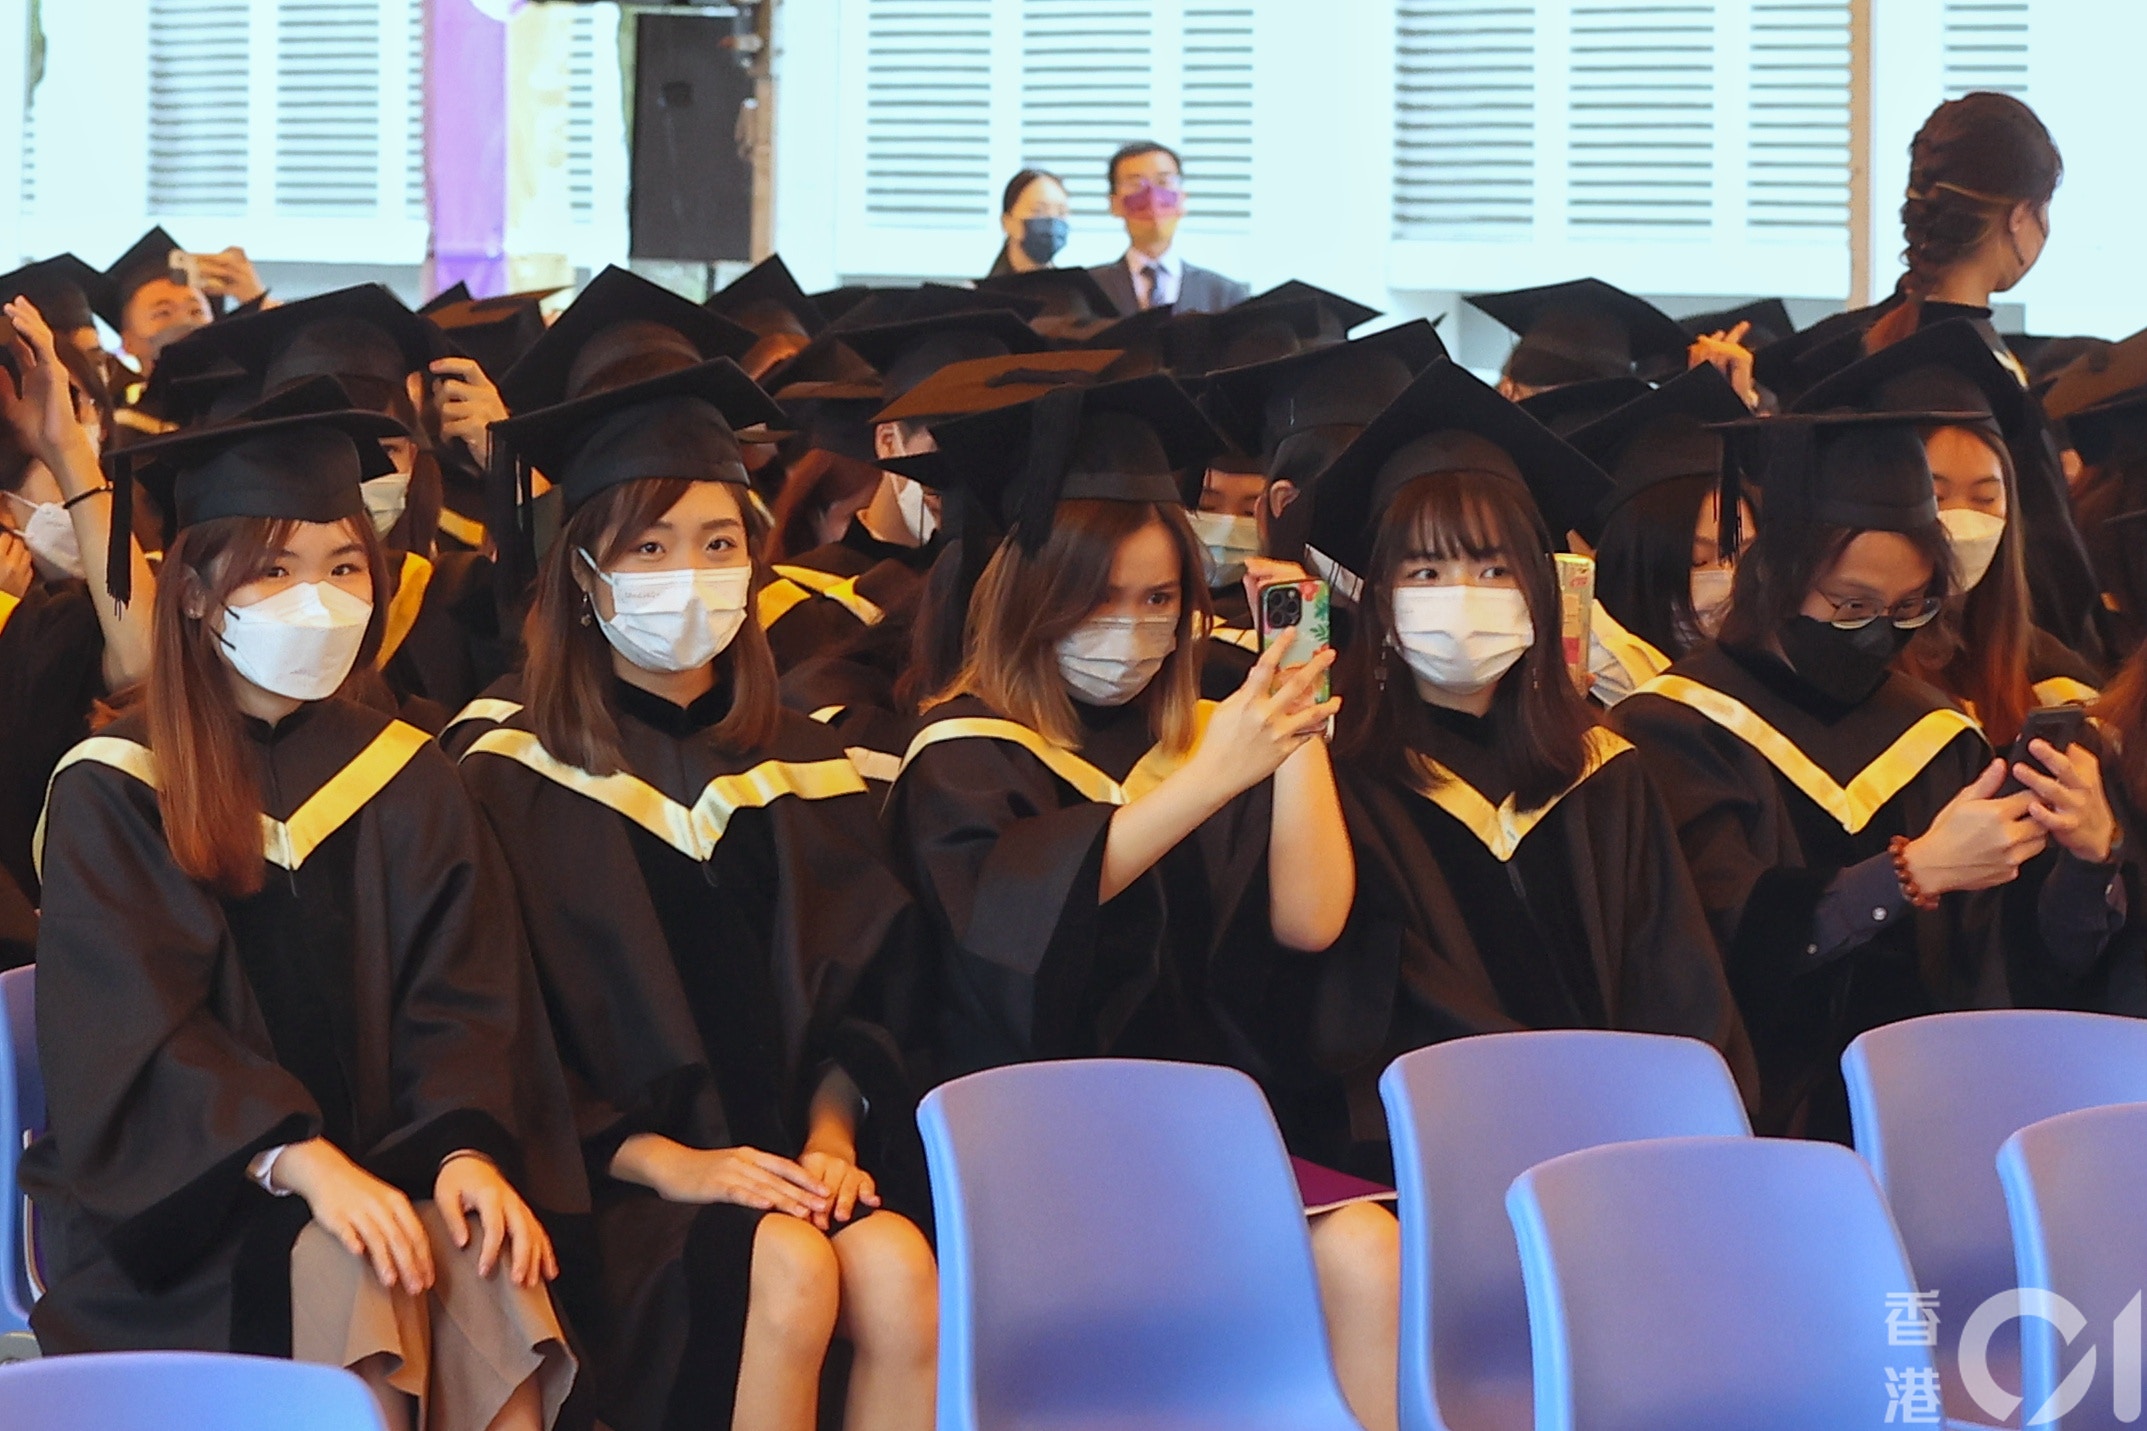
1154 274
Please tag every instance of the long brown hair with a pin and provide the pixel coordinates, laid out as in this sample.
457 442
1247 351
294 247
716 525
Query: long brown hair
569 673
1973 160
1025 604
2123 713
1977 648
1539 718
814 484
206 789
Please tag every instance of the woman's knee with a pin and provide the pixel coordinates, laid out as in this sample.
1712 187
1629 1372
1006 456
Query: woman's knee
796 1282
1359 1245
890 1280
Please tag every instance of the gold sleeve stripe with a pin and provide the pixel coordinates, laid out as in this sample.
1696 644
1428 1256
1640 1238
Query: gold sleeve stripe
466 530
403 607
827 713
695 830
284 843
1853 804
776 599
2065 691
1092 784
842 590
8 603
1503 826
485 708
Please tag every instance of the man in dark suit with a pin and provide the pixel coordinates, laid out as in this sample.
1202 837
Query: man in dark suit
1148 193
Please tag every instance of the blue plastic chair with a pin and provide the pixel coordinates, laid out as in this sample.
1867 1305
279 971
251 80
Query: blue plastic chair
22 1117
1469 1116
1736 1284
1122 1245
1933 1098
182 1391
2072 1184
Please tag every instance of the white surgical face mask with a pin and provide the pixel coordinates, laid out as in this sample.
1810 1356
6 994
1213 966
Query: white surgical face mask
385 498
1226 541
299 643
1109 660
1974 536
49 533
909 496
1711 596
1461 639
674 620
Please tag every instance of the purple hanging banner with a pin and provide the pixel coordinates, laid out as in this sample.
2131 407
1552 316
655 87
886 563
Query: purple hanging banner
466 145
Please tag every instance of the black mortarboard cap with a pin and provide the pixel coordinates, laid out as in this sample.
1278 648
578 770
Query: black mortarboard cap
619 330
1338 315
1449 419
1340 385
1769 318
1660 436
982 384
767 299
907 352
834 302
1141 341
1862 470
827 359
1572 332
193 379
2100 394
149 259
299 455
884 307
363 337
1571 406
448 297
2046 355
64 289
1947 367
1075 305
1196 344
494 332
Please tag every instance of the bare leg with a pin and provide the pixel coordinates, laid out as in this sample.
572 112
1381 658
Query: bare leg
397 1411
890 1313
1357 1251
524 1410
789 1318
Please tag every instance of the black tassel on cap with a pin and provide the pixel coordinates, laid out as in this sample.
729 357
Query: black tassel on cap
1054 423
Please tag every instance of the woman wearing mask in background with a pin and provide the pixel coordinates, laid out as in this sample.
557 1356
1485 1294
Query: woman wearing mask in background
714 921
1662 580
1838 818
290 1038
1517 868
65 643
1112 866
1032 213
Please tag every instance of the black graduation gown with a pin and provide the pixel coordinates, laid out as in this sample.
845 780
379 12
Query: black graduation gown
1473 916
1775 792
51 676
1001 834
823 598
376 991
441 642
712 931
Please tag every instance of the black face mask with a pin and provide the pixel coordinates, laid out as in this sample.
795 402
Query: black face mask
1846 666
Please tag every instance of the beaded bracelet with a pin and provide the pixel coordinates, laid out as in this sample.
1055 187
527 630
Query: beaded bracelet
1898 848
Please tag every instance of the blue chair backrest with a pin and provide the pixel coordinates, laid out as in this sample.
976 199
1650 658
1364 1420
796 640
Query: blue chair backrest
1933 1098
2073 1185
1469 1116
182 1391
1739 1284
22 1116
1121 1242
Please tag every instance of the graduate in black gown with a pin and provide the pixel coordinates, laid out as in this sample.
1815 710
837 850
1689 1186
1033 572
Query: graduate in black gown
1662 580
1516 866
766 299
289 1031
721 941
441 643
65 644
1841 820
1581 331
1112 866
2101 399
2092 799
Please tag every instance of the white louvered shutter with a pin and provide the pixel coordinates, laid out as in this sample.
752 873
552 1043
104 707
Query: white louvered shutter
1640 116
1797 126
1087 78
581 116
414 111
1985 44
328 108
199 107
1464 119
928 113
1215 62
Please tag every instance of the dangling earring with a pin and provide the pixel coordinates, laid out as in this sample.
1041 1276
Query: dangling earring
1379 672
588 611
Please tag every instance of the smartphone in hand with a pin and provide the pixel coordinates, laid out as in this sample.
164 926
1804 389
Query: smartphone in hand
1295 614
2060 725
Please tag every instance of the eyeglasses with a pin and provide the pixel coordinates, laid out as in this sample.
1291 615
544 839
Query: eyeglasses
1855 614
